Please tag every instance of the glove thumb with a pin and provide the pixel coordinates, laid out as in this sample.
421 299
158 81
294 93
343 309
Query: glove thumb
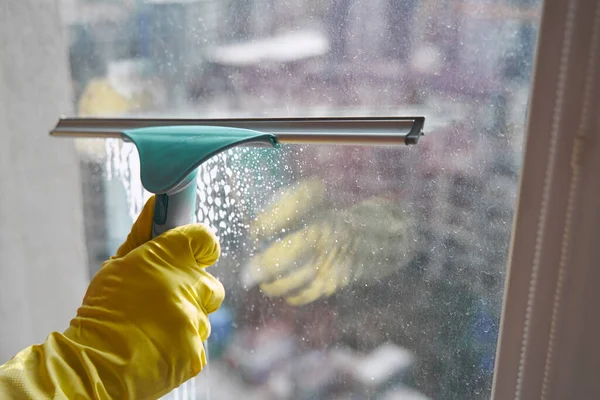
141 231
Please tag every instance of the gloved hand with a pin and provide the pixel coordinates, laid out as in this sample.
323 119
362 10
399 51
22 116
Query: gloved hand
139 331
314 250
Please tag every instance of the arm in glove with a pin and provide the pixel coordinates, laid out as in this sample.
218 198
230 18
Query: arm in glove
314 249
139 331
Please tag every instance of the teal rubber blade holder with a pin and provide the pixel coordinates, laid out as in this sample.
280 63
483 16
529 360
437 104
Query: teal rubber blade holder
169 161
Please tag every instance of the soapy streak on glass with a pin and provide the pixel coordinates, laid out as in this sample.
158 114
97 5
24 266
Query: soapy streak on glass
391 322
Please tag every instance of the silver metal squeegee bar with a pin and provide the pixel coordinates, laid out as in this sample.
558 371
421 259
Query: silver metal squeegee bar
353 131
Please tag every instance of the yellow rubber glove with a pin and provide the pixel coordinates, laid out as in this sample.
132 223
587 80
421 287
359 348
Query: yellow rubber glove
139 331
314 250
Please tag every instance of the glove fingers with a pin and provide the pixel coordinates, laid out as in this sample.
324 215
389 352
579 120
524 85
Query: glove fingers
315 290
283 256
327 271
293 204
292 282
333 272
141 231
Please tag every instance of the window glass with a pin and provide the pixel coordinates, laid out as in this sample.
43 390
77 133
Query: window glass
351 272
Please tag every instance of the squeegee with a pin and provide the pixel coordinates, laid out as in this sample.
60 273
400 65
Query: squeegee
171 150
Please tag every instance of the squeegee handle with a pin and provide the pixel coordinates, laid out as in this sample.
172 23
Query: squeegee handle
176 207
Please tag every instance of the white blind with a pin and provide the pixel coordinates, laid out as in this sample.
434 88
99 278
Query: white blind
550 328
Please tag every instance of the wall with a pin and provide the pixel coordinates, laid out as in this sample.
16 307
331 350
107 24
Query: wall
42 254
